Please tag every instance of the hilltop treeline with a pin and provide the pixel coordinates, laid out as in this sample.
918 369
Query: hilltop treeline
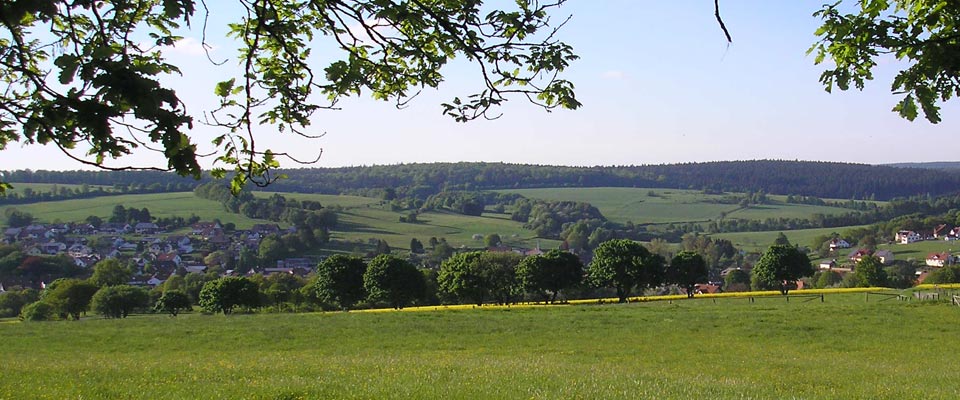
819 179
803 178
133 180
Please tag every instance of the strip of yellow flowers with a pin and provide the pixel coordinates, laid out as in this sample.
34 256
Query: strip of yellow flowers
660 298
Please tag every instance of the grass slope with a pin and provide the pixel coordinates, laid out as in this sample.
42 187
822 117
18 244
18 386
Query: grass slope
843 348
376 222
669 205
160 205
360 218
759 241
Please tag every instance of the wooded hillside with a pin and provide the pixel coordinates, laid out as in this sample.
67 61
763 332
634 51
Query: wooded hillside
820 179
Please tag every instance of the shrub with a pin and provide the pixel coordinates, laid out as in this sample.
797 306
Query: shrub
825 279
173 301
118 301
223 294
38 311
948 274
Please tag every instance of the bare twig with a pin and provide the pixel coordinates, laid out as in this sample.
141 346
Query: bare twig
716 12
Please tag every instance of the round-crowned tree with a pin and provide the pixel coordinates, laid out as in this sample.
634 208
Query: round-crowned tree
686 269
778 267
173 302
339 281
393 280
624 264
870 272
546 275
224 294
119 301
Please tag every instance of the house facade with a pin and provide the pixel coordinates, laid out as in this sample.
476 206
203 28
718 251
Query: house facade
907 237
939 259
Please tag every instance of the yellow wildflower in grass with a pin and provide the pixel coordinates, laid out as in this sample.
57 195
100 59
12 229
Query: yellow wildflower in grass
938 286
643 299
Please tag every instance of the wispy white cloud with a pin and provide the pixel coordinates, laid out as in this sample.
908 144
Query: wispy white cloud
189 46
615 75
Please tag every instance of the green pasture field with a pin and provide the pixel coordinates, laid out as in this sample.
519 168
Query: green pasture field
362 223
635 204
326 200
361 218
843 348
919 250
759 241
181 204
764 211
670 205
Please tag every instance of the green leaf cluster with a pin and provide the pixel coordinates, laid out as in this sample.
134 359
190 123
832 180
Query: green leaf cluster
778 267
226 293
624 264
920 34
108 99
393 280
339 281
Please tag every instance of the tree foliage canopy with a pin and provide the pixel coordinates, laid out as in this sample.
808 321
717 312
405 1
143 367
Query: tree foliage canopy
624 264
548 274
870 272
173 301
922 34
69 297
110 272
224 294
686 270
340 280
480 276
947 274
393 280
779 265
88 77
119 300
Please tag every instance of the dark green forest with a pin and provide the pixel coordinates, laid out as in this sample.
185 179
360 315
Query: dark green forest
805 178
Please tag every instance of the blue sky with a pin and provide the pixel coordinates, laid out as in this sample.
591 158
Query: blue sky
658 82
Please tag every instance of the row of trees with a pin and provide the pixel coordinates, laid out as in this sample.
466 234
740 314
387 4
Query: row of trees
307 213
504 278
343 282
106 292
132 215
19 268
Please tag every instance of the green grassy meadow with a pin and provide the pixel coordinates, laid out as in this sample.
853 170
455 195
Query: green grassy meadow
843 348
363 223
327 200
362 218
181 204
758 241
671 205
919 250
